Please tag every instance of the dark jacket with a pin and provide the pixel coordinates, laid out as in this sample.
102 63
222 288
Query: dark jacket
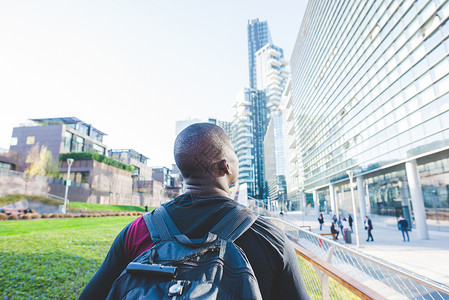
267 248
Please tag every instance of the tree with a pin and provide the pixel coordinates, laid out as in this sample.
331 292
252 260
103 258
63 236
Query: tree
41 162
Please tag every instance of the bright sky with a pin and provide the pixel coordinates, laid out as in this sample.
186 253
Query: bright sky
131 68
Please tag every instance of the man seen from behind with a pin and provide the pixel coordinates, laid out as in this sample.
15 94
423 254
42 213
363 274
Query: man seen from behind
206 158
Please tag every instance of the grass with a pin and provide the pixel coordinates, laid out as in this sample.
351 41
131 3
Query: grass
54 258
313 285
72 206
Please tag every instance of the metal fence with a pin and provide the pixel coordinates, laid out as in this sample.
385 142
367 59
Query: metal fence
388 280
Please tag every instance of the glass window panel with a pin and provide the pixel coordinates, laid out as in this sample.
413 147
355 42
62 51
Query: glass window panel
30 140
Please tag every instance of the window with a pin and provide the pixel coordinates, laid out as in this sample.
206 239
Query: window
98 149
68 136
30 140
79 144
14 141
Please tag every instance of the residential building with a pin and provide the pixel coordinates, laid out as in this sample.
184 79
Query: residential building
171 183
370 96
8 159
272 74
141 171
59 135
249 126
107 184
258 36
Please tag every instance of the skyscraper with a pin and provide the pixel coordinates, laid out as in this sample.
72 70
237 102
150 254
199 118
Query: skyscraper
274 152
248 131
271 74
370 89
258 36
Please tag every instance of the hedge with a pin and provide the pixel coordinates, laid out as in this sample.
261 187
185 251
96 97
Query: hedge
98 157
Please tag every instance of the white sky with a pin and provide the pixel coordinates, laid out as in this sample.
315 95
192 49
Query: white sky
131 68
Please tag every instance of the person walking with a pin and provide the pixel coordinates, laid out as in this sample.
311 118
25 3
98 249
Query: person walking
403 226
334 218
340 223
321 220
369 227
350 222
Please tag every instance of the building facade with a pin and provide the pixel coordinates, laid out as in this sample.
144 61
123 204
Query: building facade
258 36
141 171
249 126
59 135
275 159
271 74
370 99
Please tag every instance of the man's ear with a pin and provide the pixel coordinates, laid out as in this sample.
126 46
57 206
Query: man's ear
224 166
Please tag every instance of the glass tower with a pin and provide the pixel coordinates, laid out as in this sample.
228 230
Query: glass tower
258 36
249 126
370 89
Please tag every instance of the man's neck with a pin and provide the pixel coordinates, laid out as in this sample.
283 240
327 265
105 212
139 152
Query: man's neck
203 188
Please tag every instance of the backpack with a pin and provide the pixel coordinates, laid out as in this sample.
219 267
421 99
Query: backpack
177 267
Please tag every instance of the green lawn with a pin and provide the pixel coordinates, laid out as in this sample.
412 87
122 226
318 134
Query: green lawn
53 258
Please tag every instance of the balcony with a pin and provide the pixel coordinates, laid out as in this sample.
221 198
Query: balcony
274 62
274 52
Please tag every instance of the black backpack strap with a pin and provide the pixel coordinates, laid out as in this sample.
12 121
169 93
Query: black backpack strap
160 225
235 223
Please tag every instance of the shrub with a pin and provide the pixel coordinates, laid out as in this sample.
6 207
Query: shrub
13 217
35 216
45 216
25 217
69 216
3 217
54 216
98 157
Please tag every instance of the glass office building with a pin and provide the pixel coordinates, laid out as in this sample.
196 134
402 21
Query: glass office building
249 126
370 95
274 150
258 36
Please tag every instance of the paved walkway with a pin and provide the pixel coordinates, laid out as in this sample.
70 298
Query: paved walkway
428 258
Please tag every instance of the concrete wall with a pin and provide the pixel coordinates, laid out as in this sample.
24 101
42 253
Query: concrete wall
12 182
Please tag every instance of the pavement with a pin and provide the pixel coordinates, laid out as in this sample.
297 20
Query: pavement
428 258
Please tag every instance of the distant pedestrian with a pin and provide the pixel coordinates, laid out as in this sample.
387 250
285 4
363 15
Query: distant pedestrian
321 220
350 222
334 230
403 226
334 219
340 223
369 227
346 227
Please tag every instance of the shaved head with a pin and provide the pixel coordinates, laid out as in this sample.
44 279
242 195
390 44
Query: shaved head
200 147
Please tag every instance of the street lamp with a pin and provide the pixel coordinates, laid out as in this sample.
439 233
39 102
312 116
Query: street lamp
67 183
354 211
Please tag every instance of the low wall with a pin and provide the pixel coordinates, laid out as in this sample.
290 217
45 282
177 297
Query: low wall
12 182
